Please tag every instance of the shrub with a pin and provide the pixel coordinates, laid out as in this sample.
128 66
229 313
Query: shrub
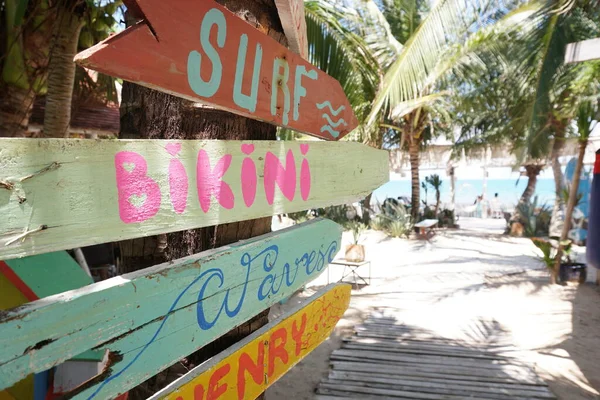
398 228
379 223
535 220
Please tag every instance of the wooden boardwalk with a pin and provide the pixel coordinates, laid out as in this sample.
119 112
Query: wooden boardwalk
384 359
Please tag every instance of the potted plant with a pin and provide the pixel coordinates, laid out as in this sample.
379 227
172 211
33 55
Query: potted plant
569 270
355 252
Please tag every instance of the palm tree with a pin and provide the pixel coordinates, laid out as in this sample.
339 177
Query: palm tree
418 47
72 17
24 42
436 183
584 105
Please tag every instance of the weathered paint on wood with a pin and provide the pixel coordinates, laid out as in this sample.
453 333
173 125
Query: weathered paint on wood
151 318
200 51
48 274
583 51
67 193
291 14
248 368
29 279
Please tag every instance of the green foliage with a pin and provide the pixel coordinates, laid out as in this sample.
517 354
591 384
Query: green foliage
535 219
549 251
393 219
446 218
357 229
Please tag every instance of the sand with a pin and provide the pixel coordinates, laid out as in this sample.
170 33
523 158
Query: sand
476 285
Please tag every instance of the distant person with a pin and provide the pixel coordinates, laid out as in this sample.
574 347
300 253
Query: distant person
478 206
496 207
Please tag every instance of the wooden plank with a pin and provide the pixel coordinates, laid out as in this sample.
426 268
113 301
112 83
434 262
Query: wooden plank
583 51
443 386
415 371
406 349
506 372
380 354
67 193
151 318
433 390
291 14
50 273
327 388
202 52
247 369
513 388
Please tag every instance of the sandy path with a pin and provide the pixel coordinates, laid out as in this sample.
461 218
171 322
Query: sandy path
474 285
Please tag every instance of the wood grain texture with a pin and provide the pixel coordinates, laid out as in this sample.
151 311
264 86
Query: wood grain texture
202 52
151 318
583 51
247 369
67 193
291 14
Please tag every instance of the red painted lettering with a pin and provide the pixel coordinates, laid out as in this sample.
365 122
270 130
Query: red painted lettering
285 177
139 195
214 389
277 350
256 370
298 332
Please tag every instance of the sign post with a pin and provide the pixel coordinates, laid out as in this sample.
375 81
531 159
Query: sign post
215 58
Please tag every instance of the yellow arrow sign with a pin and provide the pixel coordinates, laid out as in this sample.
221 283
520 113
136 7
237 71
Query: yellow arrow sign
248 368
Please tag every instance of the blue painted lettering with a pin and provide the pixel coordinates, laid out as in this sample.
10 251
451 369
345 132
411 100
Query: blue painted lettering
197 84
242 100
299 90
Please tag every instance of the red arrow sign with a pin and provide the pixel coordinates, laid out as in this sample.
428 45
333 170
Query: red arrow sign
204 53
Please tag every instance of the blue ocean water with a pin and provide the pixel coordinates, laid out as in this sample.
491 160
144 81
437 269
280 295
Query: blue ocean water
509 190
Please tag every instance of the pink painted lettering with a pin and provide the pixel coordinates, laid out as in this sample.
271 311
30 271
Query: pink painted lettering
178 179
304 174
248 176
285 177
210 182
139 195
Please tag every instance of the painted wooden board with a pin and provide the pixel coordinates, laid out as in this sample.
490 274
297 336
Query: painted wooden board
29 279
66 193
583 51
200 51
47 274
248 368
291 14
151 318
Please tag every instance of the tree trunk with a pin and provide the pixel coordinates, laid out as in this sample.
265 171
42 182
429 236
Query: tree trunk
61 72
570 208
413 151
532 172
16 105
146 113
437 202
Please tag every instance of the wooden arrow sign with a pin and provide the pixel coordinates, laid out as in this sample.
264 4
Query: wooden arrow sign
291 14
248 368
149 319
60 194
200 51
